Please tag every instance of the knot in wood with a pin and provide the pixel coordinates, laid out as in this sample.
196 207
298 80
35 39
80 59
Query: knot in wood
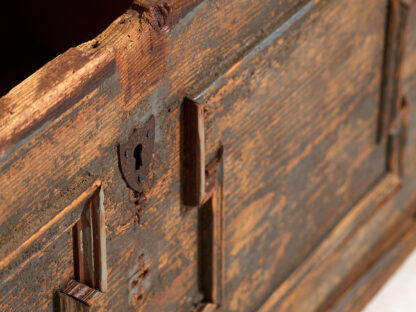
157 14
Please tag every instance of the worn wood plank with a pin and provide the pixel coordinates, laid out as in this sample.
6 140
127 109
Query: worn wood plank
300 143
159 263
30 104
99 241
59 224
83 138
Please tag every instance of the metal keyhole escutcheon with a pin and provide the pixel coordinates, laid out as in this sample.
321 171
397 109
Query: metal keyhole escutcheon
135 155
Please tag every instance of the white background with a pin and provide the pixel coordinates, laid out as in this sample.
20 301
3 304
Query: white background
399 294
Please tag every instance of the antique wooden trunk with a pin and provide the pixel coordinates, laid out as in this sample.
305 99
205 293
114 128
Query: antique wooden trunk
214 155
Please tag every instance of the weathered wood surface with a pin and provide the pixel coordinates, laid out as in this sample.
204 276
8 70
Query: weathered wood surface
295 104
356 298
51 124
78 297
301 142
391 229
210 233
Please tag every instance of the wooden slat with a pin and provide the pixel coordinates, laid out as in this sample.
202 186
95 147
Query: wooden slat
99 242
211 241
86 239
90 244
194 153
41 98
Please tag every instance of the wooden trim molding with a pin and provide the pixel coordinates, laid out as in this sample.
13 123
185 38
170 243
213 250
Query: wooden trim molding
210 225
399 11
347 246
194 153
90 256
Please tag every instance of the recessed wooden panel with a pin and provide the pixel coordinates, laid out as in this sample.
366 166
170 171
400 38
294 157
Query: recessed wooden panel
298 117
342 256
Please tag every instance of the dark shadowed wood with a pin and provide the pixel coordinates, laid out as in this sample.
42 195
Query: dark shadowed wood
210 228
194 153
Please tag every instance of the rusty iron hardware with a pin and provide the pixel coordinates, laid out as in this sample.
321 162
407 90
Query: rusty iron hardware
135 155
397 138
157 13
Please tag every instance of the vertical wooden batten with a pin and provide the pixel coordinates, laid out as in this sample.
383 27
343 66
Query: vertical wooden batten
204 189
89 244
210 225
194 153
90 258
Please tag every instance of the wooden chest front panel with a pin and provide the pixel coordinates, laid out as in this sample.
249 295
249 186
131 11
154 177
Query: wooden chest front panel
298 119
292 92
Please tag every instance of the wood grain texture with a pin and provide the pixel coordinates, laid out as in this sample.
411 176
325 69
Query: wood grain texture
395 231
341 252
396 34
159 266
78 297
81 292
194 153
206 307
356 298
295 103
301 141
210 234
377 267
90 244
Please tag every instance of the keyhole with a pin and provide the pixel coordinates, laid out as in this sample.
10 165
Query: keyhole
138 155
